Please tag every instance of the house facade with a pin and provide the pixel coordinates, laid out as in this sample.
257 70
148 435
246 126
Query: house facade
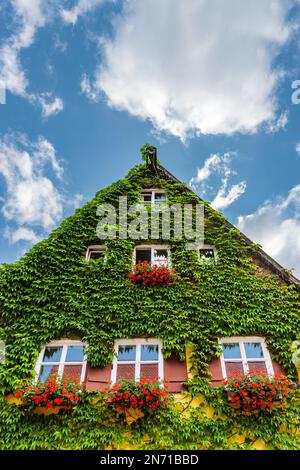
214 308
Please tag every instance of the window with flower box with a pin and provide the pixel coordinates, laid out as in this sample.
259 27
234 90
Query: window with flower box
65 358
245 354
95 252
137 359
154 254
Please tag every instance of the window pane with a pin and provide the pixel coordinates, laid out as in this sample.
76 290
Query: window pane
160 256
160 198
149 371
126 353
75 354
52 354
206 253
46 372
125 371
143 255
253 350
146 197
233 367
259 365
72 372
96 254
149 352
231 350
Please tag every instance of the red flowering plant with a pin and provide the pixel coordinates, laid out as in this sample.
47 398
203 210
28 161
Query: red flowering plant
55 391
255 390
147 274
146 396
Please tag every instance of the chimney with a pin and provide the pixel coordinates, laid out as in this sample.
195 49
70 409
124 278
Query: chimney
149 155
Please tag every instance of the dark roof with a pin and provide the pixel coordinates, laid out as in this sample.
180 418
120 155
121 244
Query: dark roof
266 260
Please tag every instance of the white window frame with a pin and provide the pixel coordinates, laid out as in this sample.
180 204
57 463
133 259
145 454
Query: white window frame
207 247
97 249
62 363
153 192
153 247
241 340
138 342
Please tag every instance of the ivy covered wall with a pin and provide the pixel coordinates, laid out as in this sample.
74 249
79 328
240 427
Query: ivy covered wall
53 292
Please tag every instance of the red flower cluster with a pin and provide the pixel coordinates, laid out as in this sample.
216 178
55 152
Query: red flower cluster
145 395
256 390
54 392
144 273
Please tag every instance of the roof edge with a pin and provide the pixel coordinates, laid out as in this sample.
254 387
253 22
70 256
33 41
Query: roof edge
269 262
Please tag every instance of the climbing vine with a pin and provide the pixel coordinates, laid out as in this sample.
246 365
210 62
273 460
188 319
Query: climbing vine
53 292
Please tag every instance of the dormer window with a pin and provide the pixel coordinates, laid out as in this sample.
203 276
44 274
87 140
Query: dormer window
95 252
207 253
154 254
154 196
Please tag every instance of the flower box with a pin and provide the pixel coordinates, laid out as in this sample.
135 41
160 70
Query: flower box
135 400
256 391
147 274
54 393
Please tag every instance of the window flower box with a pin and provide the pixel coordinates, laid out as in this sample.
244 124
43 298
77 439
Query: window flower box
135 400
256 391
54 393
148 274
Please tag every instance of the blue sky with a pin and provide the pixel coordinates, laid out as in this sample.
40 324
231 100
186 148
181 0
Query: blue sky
208 82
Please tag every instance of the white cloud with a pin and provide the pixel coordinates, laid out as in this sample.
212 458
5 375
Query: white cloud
202 66
31 197
90 91
81 7
22 234
218 167
276 226
298 148
225 197
49 107
29 16
278 124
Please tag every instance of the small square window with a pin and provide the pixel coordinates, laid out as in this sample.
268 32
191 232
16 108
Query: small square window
154 196
207 253
152 254
95 253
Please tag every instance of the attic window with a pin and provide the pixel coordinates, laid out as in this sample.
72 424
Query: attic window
207 253
155 254
244 354
153 196
66 358
95 252
137 359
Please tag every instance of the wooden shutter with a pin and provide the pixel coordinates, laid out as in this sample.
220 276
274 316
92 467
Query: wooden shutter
175 373
98 378
278 369
216 372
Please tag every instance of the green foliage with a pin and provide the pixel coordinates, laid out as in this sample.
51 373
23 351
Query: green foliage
53 292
